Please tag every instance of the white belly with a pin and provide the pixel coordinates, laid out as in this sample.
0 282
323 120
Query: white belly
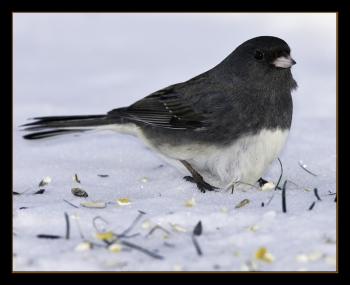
240 163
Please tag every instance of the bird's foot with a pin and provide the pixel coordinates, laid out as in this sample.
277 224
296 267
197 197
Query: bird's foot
204 186
197 178
262 181
201 184
189 179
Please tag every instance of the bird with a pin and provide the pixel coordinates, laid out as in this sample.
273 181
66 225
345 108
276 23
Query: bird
223 128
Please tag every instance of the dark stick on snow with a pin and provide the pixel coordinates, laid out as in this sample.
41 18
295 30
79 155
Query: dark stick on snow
307 170
155 228
316 194
278 182
16 193
196 245
94 222
124 233
284 206
41 191
197 231
139 248
48 236
67 225
76 178
70 204
312 206
279 179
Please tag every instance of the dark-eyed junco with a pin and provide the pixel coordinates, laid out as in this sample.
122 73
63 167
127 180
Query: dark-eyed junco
224 126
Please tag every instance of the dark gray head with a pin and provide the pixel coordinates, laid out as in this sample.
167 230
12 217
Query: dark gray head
261 60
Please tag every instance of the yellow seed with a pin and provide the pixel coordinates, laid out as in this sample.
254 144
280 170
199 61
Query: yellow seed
105 236
190 203
178 228
84 246
93 204
123 201
115 247
242 203
262 254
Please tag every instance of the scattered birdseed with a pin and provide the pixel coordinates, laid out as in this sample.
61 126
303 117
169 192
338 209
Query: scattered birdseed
123 201
254 228
315 255
79 192
269 215
178 228
331 260
144 179
115 247
268 186
263 254
93 204
190 203
177 267
45 181
146 224
224 209
108 236
83 246
242 203
302 258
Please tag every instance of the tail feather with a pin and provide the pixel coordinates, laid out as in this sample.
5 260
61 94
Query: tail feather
45 127
46 134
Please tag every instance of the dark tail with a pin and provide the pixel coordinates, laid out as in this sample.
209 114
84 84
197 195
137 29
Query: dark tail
45 127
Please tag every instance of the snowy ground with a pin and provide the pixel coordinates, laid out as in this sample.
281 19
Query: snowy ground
91 63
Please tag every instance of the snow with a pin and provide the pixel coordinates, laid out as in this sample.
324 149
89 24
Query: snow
91 63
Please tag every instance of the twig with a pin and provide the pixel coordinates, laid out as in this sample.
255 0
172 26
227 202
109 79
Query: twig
197 231
94 222
155 228
316 194
278 182
279 179
139 248
48 236
303 166
312 206
124 233
284 207
196 245
70 203
67 225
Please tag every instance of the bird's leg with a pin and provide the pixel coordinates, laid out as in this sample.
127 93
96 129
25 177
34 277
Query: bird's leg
197 178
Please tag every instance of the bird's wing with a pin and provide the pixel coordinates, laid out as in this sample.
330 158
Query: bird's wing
166 108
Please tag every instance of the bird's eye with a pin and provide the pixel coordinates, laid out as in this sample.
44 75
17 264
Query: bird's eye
259 55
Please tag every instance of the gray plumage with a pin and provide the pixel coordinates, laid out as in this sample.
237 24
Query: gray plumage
249 91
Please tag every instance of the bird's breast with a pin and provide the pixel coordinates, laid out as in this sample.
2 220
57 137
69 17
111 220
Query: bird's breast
244 160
